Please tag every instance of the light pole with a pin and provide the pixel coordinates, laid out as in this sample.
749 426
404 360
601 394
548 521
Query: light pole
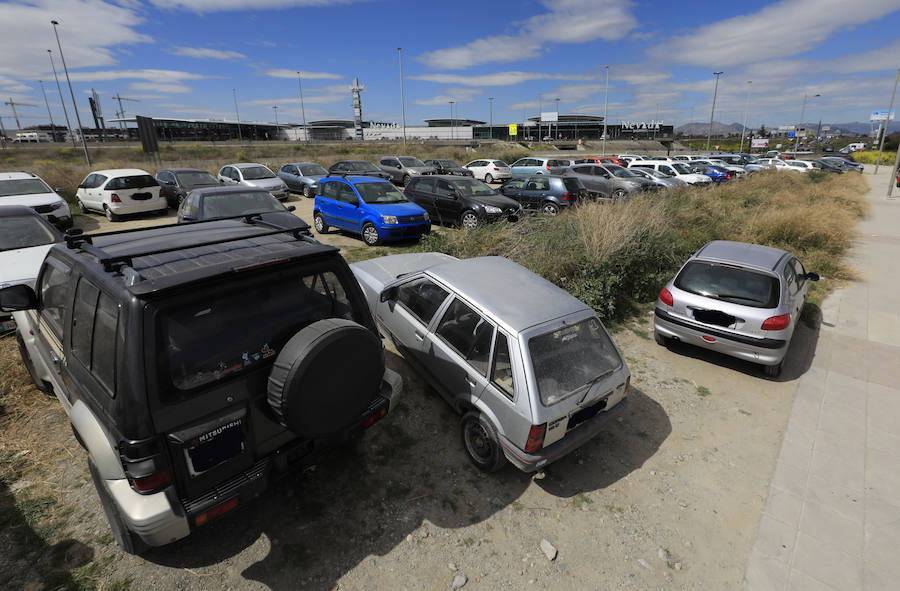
887 122
61 100
491 103
605 110
402 102
557 116
238 115
87 156
802 112
275 110
451 119
302 108
746 109
713 111
49 114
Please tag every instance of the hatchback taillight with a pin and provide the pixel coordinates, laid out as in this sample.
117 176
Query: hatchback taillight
779 322
535 438
665 296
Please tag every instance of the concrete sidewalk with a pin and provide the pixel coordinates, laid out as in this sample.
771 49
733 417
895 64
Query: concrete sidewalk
832 517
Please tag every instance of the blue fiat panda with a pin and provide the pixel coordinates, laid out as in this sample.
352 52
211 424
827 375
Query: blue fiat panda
371 207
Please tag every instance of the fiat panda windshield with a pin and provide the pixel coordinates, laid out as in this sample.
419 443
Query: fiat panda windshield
570 358
380 192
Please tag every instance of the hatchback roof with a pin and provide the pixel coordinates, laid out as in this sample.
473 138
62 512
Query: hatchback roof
741 253
121 172
525 299
246 164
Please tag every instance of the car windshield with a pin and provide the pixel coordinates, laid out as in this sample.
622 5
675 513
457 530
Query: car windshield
138 181
23 187
622 173
380 193
653 172
24 231
500 164
196 179
230 204
568 359
729 283
364 167
473 187
683 169
313 170
410 161
751 159
203 339
255 173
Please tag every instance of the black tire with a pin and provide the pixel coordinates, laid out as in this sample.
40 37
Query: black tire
660 340
180 201
772 371
406 179
549 208
29 365
370 235
110 215
319 223
310 389
307 191
81 206
488 178
619 194
469 219
480 442
127 540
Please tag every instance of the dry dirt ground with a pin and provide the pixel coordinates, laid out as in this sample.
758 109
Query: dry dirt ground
667 497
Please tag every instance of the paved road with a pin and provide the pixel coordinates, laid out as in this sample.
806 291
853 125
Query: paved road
832 517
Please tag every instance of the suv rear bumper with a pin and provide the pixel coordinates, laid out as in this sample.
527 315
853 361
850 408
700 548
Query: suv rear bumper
153 518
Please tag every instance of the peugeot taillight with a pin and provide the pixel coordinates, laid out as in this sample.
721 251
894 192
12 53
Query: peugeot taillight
779 322
665 296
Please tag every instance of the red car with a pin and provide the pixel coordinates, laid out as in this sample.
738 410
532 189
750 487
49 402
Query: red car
603 160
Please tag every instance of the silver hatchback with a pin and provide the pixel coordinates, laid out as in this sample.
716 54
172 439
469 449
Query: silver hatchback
532 381
743 300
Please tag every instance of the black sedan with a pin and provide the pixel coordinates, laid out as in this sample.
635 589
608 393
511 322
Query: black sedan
222 202
176 183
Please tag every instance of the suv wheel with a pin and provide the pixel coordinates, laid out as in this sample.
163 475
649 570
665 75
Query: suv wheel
488 178
370 235
110 215
127 540
549 208
307 191
479 438
469 219
29 365
406 179
319 223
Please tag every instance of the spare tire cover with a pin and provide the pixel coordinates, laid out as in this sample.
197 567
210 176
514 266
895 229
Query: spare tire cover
325 377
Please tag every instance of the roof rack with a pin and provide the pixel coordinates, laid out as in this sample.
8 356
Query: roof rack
110 263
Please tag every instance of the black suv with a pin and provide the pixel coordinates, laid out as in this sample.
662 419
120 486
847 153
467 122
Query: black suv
450 199
545 193
198 361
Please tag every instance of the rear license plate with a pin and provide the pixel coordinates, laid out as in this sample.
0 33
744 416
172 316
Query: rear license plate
7 325
141 196
714 317
210 449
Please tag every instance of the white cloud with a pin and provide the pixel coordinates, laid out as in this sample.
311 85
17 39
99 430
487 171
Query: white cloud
459 95
202 6
161 87
568 21
787 28
498 78
206 53
150 74
287 73
320 95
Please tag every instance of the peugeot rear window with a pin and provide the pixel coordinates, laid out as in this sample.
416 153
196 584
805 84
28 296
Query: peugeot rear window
729 283
222 334
131 182
567 359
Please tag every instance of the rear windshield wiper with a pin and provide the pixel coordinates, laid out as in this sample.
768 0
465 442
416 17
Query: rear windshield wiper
725 296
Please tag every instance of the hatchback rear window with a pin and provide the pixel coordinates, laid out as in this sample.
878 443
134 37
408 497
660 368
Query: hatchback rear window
131 182
567 359
729 283
573 184
500 164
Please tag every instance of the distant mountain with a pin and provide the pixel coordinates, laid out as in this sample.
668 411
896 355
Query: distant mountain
701 129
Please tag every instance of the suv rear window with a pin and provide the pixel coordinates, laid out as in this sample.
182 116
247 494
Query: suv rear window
573 185
569 358
730 284
207 340
131 182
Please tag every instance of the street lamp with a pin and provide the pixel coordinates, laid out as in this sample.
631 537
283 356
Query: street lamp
87 156
557 116
887 122
49 114
451 119
238 115
302 108
491 102
605 109
713 111
402 102
746 109
61 100
802 112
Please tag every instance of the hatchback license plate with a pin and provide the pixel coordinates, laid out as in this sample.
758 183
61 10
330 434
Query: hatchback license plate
141 196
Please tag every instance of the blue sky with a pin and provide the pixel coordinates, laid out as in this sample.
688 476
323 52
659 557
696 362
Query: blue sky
182 58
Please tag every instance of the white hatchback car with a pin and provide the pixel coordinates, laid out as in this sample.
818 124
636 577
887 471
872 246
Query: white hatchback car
120 191
490 170
30 190
678 170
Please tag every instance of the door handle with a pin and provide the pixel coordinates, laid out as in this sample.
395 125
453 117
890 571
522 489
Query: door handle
470 381
419 336
54 358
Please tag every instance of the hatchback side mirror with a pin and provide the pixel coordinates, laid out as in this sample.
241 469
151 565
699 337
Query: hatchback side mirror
17 297
388 294
81 186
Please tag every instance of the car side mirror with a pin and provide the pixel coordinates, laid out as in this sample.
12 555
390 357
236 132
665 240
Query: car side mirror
388 294
221 180
812 276
189 218
291 208
58 189
17 297
81 186
397 166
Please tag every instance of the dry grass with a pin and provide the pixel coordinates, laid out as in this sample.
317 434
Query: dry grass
607 230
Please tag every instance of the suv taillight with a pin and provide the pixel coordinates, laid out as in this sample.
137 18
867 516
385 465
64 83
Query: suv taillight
535 438
145 466
115 198
779 322
566 196
665 296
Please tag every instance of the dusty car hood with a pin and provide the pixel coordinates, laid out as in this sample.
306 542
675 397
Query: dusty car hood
22 264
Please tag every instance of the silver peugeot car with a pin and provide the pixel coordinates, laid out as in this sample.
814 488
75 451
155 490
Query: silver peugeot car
532 382
743 300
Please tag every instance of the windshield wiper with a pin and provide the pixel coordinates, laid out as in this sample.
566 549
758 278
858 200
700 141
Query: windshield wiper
720 296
